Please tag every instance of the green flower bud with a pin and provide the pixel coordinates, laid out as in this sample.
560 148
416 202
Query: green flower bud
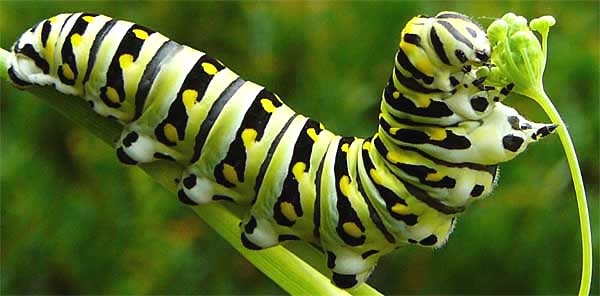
524 39
542 24
518 23
509 17
497 31
482 72
517 53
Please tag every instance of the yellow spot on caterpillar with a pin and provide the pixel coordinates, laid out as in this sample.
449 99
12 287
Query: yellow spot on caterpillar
434 177
298 170
189 97
400 209
287 209
366 145
345 147
75 39
422 101
230 174
112 95
67 72
140 34
352 229
396 94
375 176
321 126
394 130
437 134
248 137
88 18
209 68
125 60
267 105
395 157
423 64
170 132
418 57
312 134
52 20
345 185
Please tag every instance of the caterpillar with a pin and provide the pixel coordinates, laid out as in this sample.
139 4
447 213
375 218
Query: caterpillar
442 133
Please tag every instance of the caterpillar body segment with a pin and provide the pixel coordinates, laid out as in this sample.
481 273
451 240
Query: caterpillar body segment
442 133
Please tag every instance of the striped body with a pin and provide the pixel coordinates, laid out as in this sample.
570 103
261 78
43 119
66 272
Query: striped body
442 133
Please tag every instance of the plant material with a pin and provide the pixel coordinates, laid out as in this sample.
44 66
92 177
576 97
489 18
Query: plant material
520 58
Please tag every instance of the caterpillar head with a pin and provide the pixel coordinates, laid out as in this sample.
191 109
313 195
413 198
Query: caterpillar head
457 40
449 40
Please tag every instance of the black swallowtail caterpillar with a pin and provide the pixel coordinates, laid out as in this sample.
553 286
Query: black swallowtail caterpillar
442 132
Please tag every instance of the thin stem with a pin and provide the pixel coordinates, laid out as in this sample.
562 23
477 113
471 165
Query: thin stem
543 100
527 63
512 65
544 50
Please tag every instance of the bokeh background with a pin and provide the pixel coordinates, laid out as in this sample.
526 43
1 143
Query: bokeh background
74 220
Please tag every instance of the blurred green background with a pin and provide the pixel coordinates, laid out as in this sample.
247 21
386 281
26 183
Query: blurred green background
74 220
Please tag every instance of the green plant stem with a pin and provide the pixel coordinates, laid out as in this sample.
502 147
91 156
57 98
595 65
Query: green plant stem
298 273
544 101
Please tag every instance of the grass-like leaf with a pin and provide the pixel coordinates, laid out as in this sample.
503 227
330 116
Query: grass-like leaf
299 272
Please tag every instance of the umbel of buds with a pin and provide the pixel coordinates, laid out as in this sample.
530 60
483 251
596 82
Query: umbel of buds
517 53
